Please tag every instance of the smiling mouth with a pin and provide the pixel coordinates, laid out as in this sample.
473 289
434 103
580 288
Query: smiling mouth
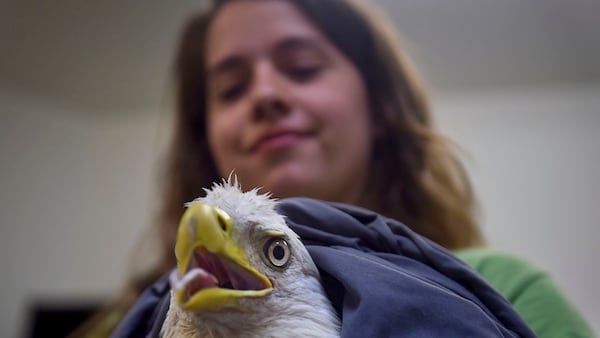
278 142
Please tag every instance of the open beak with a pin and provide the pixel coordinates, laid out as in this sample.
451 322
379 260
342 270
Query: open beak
212 270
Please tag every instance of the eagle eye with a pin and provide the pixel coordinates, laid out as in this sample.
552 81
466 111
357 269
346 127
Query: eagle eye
277 252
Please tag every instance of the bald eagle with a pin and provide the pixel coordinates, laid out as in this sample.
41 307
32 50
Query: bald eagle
242 272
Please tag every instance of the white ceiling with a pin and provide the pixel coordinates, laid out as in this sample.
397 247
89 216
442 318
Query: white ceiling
115 55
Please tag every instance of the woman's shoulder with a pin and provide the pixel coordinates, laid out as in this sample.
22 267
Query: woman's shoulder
530 289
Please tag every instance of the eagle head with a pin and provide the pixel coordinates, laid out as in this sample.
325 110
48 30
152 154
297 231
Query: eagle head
242 272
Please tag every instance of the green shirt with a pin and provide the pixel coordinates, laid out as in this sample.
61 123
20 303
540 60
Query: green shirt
530 290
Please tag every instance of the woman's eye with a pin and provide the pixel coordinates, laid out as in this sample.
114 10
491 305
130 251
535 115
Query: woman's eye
232 92
303 73
277 252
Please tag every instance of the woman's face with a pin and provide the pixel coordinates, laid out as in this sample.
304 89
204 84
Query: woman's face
286 110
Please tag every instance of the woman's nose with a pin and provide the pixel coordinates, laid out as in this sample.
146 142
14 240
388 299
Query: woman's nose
269 94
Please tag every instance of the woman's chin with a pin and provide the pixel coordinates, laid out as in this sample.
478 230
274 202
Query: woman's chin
293 186
297 176
289 189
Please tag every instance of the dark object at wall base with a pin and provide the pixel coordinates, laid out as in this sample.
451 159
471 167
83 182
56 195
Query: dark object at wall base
57 319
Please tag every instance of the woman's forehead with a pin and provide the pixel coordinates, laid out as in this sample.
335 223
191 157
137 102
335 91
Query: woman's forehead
255 26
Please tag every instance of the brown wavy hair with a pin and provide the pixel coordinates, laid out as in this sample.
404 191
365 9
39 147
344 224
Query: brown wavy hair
415 177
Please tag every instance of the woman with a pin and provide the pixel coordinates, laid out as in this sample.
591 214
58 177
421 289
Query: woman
314 98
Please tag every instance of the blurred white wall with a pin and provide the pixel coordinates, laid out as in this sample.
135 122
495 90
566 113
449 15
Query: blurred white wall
535 164
76 190
44 191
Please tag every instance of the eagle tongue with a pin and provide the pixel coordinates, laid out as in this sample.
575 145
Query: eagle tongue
193 281
197 279
212 263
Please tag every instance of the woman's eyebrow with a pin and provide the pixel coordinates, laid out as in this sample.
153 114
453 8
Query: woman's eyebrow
297 42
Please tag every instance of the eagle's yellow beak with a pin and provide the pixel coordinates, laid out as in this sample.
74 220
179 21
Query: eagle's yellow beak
212 270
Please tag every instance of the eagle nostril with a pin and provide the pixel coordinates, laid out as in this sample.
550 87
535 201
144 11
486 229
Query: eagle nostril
222 224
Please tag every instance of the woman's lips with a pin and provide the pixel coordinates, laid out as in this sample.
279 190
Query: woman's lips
277 142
